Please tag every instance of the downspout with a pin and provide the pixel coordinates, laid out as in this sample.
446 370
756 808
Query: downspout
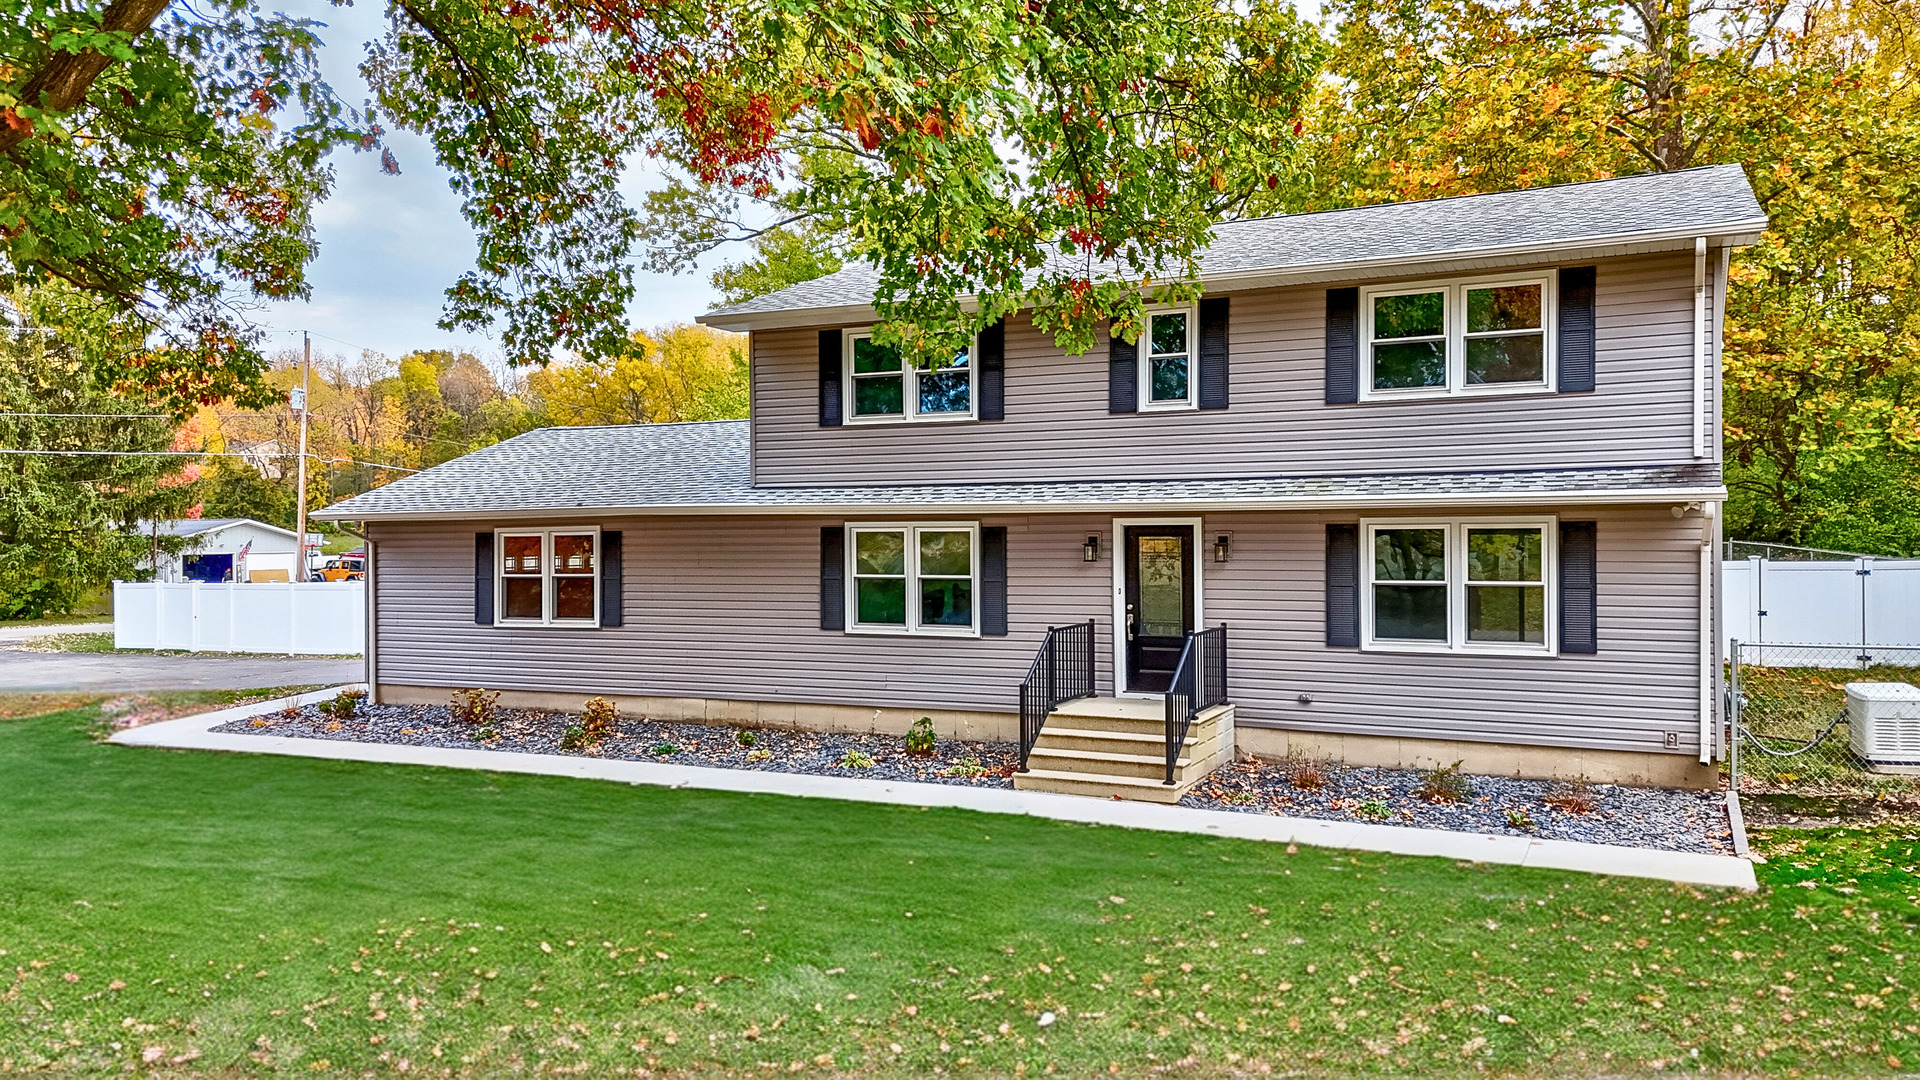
1709 629
373 608
1700 347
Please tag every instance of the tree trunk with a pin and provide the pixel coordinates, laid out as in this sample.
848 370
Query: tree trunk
62 82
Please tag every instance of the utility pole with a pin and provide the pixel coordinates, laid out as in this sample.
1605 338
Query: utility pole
300 487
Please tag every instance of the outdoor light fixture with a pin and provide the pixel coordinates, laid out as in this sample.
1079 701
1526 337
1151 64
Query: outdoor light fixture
1222 547
1090 551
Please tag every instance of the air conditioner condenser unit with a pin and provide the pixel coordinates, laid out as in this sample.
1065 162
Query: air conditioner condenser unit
1883 720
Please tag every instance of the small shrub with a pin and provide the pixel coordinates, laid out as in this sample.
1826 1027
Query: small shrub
665 748
1518 818
856 760
1305 773
574 738
475 707
1443 785
759 755
744 738
342 706
486 733
1377 809
597 719
1242 797
968 768
1571 796
920 740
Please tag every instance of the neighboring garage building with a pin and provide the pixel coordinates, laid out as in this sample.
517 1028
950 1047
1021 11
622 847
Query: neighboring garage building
227 549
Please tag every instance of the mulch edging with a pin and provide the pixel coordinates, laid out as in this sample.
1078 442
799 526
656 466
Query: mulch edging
1636 817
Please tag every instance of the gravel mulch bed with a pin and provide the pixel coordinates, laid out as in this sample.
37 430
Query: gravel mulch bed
1631 816
1636 817
537 731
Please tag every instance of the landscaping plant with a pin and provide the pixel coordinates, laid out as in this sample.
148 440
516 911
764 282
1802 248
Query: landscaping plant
920 740
1571 796
343 705
1518 818
475 707
854 759
1377 809
1443 785
744 738
597 720
1305 773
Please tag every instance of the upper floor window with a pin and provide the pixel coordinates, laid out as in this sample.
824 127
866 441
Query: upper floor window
883 388
1166 362
1457 337
549 577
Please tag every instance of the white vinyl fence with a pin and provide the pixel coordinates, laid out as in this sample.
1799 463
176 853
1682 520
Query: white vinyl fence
1870 603
317 617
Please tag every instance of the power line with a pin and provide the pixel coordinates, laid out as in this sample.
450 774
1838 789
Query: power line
199 453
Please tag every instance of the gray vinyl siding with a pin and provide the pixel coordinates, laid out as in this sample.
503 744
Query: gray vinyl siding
1057 426
727 607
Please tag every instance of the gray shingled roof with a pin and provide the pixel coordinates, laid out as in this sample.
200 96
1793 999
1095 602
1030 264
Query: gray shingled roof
693 468
1713 200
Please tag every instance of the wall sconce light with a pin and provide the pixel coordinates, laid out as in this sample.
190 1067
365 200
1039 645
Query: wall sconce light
1222 547
1090 551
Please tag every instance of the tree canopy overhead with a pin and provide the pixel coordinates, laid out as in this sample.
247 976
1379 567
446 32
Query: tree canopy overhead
1023 152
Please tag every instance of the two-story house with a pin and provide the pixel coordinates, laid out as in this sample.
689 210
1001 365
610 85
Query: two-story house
1447 472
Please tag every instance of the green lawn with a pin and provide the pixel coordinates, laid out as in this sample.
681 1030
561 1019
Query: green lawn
253 915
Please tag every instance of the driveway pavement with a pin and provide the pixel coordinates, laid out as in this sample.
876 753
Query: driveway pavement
112 672
11 634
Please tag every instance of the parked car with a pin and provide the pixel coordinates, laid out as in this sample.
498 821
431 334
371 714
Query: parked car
351 566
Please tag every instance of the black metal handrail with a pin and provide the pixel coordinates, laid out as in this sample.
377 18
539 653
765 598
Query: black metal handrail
1061 672
1199 683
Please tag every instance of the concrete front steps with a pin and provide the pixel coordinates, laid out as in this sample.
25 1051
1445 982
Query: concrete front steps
1117 748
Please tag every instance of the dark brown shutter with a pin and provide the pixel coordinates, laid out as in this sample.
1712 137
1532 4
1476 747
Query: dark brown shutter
1343 346
610 592
1123 374
833 578
993 581
1579 587
1213 353
829 378
993 371
1577 368
1343 586
483 579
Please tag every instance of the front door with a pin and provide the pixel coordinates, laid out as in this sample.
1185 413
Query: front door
1159 603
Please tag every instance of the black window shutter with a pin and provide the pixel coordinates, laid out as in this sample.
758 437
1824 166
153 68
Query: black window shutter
1343 346
833 578
1123 375
829 378
993 581
1576 350
610 594
993 371
1579 587
1213 353
483 578
1343 586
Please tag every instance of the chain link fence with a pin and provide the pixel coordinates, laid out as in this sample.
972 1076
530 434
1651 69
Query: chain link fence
1788 708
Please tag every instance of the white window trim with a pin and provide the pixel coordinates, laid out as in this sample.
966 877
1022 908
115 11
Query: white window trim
913 529
548 592
1143 377
1455 337
909 387
1456 585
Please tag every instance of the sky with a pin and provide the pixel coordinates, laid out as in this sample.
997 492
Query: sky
390 245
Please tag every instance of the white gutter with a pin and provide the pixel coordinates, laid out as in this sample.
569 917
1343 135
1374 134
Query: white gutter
1602 497
1700 347
1709 667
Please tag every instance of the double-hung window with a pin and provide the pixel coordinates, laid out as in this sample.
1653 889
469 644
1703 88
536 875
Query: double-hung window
549 577
1468 585
883 388
913 579
1466 337
1166 360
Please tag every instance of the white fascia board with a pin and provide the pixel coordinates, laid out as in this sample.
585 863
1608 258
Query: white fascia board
1728 234
854 507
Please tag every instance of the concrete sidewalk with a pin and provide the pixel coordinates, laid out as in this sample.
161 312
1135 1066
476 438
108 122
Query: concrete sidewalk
1722 871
